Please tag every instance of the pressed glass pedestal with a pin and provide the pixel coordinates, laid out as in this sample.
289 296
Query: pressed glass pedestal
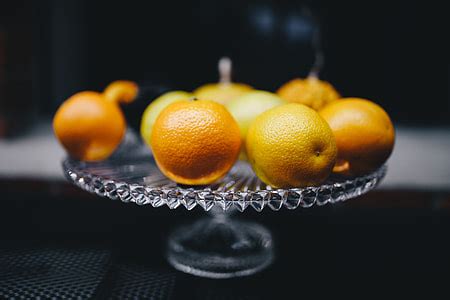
218 245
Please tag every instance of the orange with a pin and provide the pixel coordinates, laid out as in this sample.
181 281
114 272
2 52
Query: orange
364 135
310 91
291 146
195 142
89 125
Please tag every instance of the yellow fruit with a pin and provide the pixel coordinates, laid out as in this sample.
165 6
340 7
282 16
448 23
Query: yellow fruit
291 146
310 91
364 135
247 107
154 109
225 90
195 142
221 92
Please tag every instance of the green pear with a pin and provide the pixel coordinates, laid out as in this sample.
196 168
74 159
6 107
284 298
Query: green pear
154 109
247 107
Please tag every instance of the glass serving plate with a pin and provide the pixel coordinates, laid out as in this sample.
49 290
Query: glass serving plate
217 246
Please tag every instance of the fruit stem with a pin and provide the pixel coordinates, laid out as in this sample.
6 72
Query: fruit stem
317 66
316 42
225 67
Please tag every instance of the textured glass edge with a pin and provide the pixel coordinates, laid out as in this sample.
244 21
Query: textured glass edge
207 198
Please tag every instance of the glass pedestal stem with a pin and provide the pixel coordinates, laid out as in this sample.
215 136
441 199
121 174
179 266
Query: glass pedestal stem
218 246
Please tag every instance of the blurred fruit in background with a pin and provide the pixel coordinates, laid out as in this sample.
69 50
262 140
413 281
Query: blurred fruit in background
121 91
247 107
195 142
154 109
291 146
310 91
364 135
91 126
225 90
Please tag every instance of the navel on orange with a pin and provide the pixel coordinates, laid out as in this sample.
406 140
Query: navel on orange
195 142
364 135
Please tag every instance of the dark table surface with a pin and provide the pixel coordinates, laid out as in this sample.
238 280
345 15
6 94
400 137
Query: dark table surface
56 240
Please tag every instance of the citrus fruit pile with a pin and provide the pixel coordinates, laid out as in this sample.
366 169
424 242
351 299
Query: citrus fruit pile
295 137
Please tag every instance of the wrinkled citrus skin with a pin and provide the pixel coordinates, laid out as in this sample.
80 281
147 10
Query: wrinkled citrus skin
364 135
121 91
310 91
195 142
154 109
88 126
221 92
291 146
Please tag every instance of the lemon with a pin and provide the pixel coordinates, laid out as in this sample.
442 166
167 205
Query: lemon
291 146
153 110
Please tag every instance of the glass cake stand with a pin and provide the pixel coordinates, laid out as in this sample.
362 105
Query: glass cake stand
217 246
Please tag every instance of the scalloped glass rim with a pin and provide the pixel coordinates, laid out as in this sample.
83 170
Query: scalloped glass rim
207 198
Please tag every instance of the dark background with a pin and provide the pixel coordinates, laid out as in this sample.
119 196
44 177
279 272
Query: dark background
391 52
394 53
